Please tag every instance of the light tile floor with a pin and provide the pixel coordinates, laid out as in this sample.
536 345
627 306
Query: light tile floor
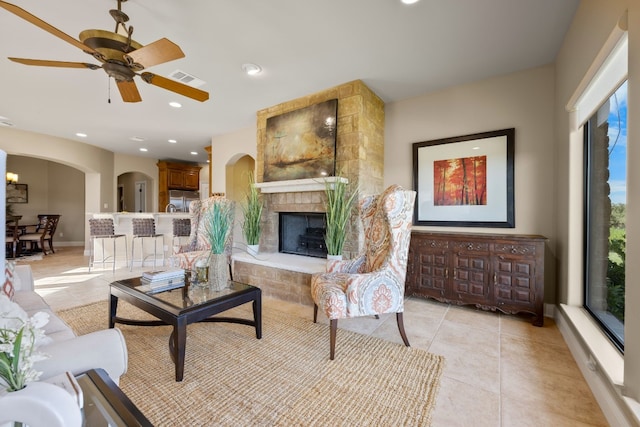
500 370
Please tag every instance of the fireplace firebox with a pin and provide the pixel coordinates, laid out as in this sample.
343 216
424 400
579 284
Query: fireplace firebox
302 234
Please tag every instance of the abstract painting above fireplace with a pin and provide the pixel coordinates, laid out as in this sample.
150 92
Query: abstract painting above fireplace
302 143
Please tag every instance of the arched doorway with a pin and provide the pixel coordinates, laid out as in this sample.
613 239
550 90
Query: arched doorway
135 192
52 188
237 175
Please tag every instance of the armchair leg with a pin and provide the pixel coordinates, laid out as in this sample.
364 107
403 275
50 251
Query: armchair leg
315 313
332 338
401 328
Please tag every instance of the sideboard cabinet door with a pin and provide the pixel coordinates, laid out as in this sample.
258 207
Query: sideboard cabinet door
471 283
518 269
428 267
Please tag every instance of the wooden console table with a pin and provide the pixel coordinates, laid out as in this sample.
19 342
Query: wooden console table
491 271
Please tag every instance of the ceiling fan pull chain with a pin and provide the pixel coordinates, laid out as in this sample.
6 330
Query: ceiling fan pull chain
109 91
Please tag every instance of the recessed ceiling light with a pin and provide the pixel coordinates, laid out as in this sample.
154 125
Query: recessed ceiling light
137 138
410 1
194 153
175 104
251 69
173 141
144 150
81 135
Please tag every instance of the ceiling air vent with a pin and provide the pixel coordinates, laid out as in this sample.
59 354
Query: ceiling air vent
186 78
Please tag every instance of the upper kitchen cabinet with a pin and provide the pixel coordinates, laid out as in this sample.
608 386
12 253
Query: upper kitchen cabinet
176 176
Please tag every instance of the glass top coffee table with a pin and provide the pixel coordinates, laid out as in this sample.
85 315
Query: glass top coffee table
183 306
105 404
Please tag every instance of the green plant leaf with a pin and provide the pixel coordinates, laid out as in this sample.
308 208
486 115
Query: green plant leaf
339 204
252 211
218 223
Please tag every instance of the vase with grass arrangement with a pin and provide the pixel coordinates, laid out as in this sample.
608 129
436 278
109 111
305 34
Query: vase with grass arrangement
252 212
219 229
338 206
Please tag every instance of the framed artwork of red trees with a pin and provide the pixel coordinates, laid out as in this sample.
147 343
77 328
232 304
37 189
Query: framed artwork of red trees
465 181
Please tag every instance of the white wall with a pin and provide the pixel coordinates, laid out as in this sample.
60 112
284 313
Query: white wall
97 163
523 101
227 149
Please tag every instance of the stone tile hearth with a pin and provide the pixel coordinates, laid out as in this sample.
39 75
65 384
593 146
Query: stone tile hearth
283 276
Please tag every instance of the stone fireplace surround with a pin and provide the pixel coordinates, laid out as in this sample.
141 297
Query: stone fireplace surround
359 159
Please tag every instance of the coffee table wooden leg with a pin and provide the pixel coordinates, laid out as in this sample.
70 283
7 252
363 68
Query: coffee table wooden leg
177 346
257 314
113 307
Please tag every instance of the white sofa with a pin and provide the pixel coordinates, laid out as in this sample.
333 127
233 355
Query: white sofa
104 349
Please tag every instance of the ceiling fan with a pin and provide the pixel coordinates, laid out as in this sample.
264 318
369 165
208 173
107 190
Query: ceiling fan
122 57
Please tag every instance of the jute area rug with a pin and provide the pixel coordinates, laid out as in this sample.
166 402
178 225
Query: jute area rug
285 379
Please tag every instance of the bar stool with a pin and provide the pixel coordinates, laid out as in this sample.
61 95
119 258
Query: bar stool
181 228
145 228
102 229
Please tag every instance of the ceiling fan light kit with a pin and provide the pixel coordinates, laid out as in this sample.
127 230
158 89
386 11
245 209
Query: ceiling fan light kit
122 57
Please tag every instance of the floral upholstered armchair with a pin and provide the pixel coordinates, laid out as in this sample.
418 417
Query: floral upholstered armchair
372 283
198 247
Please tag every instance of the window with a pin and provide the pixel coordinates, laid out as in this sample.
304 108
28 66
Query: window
605 204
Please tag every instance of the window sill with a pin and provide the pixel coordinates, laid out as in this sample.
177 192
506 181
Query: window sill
601 364
606 356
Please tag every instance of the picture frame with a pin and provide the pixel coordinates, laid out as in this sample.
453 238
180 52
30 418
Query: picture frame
301 144
465 181
17 193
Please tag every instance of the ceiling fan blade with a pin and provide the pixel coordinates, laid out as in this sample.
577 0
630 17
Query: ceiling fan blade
45 26
128 91
48 63
158 52
174 86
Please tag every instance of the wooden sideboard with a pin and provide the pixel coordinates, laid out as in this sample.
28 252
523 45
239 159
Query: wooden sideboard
491 271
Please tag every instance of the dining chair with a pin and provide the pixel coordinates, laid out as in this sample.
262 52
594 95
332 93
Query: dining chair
44 232
12 236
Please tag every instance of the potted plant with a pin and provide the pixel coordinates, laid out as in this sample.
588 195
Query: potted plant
218 227
338 207
252 210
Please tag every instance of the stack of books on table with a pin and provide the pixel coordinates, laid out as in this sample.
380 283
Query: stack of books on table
163 280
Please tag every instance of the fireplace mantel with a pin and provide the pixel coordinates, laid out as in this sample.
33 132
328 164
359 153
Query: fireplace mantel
298 185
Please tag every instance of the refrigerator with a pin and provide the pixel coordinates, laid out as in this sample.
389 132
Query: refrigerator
181 199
